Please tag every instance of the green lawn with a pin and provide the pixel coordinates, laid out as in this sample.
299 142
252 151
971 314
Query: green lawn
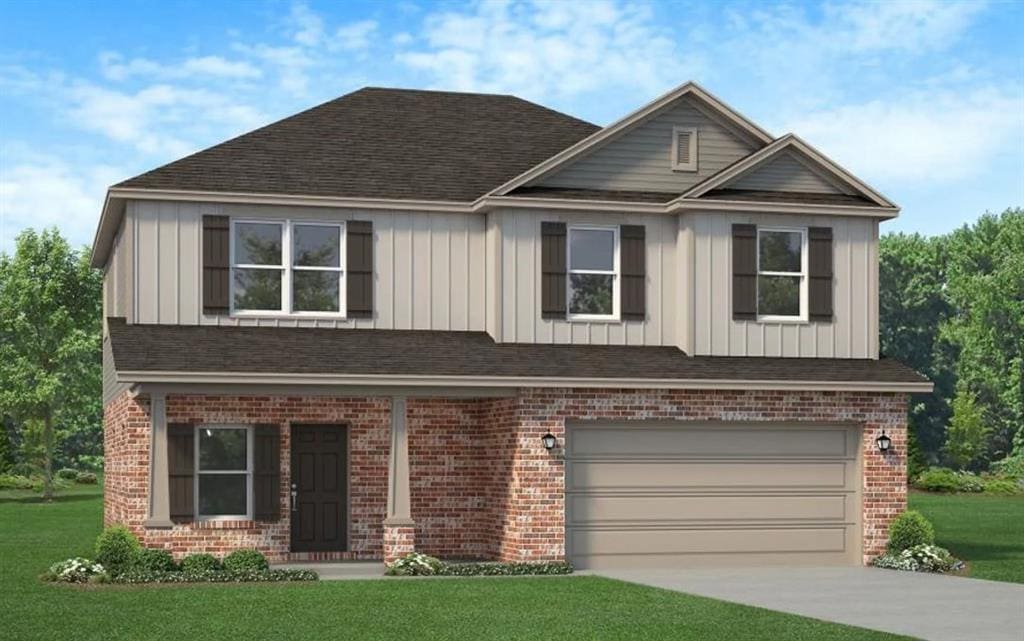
32 535
987 531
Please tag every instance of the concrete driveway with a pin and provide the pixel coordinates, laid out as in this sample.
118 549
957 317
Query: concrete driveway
928 606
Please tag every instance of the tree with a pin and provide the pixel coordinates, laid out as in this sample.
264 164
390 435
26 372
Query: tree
50 333
965 438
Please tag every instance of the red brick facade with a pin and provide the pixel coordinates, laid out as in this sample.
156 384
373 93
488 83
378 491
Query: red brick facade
482 485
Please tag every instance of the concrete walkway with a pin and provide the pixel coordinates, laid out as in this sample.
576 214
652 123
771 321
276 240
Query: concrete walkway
928 606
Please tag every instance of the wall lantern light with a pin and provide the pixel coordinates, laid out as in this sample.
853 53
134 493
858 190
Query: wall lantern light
884 443
549 441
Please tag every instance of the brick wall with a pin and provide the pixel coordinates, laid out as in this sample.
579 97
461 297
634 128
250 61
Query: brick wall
482 485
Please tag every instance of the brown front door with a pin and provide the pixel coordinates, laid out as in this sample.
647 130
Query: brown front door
319 488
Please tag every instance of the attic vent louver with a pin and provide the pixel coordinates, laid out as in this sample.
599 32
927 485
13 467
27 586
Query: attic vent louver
684 149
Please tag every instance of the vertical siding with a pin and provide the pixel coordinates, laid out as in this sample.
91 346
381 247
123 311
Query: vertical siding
785 172
426 270
518 277
640 159
853 332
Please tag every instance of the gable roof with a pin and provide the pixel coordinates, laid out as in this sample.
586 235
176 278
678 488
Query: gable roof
381 143
721 110
812 158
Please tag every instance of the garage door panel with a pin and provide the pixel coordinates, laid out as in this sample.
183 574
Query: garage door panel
712 441
603 542
676 475
632 509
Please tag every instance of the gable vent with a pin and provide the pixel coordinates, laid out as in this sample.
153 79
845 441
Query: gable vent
684 149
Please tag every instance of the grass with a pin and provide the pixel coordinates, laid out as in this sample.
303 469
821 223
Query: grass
986 531
34 534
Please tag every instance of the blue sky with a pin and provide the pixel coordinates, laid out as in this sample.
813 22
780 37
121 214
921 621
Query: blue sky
923 99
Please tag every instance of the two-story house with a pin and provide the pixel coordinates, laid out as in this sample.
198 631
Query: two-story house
476 327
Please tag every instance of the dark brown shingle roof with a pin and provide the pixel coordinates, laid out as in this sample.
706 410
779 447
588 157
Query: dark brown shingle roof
786 197
594 194
382 143
278 350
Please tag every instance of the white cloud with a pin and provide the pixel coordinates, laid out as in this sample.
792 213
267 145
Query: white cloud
308 26
292 64
920 137
906 25
114 67
356 35
549 51
47 191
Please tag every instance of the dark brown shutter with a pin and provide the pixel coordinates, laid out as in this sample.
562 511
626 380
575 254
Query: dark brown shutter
634 271
266 479
819 259
181 454
553 270
359 259
216 264
744 272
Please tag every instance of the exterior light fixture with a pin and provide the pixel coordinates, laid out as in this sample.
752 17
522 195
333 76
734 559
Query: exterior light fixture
883 442
549 441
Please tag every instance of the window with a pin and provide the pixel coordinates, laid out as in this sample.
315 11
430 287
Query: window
781 274
224 471
684 148
287 267
593 273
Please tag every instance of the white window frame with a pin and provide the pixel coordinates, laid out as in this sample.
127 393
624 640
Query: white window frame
616 273
250 441
803 274
689 166
287 269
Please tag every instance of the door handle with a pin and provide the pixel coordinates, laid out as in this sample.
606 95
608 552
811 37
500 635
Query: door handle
295 496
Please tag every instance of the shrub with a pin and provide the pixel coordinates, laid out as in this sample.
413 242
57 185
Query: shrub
117 549
86 478
76 570
245 561
908 530
138 575
200 563
155 560
1002 486
24 469
504 569
920 558
415 564
67 474
940 479
1010 467
15 482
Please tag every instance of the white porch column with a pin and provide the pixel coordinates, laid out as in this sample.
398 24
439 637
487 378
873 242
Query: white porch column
159 486
399 512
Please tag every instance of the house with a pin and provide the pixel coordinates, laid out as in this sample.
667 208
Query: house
475 327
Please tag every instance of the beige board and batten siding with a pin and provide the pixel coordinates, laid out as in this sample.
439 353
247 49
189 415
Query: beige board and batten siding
787 173
641 159
676 494
427 267
515 264
707 326
118 277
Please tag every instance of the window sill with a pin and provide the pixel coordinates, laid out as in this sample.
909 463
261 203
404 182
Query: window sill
782 321
592 319
284 316
225 524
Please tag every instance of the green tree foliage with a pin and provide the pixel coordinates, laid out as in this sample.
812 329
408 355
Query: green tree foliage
967 433
952 307
49 339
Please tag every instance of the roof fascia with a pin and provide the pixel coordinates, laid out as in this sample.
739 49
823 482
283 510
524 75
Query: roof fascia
629 121
388 380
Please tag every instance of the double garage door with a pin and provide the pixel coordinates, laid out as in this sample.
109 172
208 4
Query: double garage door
641 495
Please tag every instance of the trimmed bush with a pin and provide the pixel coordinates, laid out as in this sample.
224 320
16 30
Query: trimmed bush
136 576
86 478
940 479
200 563
155 560
76 570
504 569
415 564
67 474
117 549
908 530
245 561
920 558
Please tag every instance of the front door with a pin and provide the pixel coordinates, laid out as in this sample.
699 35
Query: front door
319 488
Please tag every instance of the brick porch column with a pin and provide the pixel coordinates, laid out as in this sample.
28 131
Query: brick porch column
399 529
159 486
